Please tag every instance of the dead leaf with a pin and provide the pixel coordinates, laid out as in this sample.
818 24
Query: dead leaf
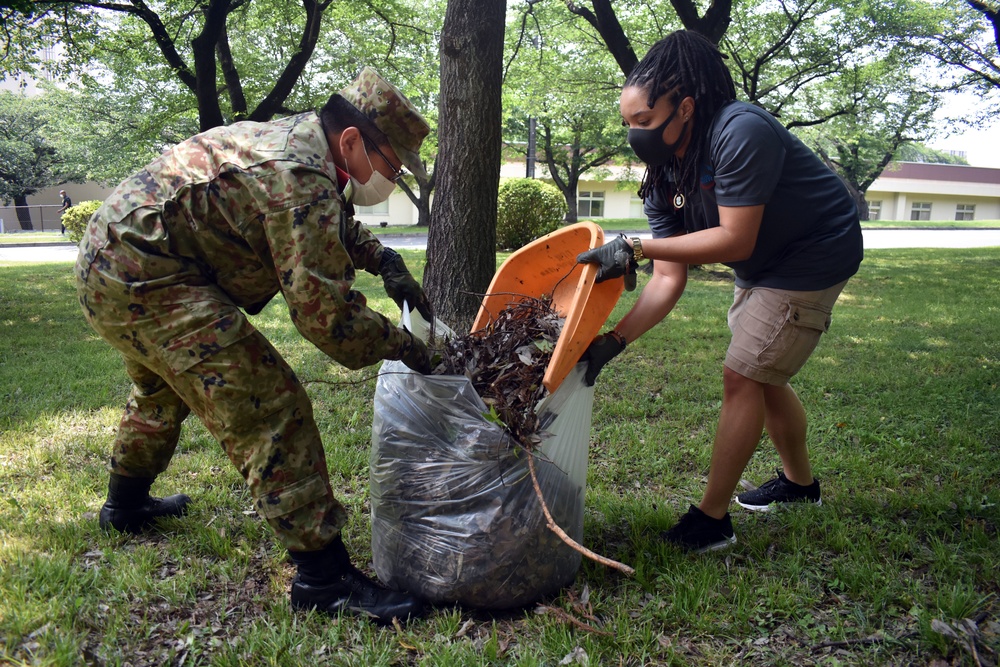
576 657
943 628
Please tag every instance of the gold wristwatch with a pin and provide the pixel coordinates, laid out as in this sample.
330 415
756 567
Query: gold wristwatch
637 249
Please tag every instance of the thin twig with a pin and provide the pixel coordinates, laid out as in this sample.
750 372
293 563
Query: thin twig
566 616
348 383
554 527
860 641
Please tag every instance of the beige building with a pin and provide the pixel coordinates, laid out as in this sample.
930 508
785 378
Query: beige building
905 191
923 191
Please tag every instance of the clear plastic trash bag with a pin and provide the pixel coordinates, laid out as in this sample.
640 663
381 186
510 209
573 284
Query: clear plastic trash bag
455 516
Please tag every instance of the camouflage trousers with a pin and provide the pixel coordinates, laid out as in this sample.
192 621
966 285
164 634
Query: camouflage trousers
243 391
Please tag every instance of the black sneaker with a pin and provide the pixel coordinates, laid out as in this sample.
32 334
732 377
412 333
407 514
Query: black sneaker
698 532
779 490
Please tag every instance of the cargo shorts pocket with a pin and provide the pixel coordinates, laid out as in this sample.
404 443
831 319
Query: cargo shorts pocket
793 342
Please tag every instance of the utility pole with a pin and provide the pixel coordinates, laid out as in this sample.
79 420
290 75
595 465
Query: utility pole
530 164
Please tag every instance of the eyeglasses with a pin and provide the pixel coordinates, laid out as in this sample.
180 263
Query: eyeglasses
397 173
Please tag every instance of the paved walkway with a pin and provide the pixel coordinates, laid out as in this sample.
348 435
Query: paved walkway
874 238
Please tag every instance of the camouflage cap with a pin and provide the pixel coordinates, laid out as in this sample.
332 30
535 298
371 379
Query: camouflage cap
392 113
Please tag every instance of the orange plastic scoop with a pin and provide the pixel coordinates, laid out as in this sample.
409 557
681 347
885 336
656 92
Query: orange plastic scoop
547 266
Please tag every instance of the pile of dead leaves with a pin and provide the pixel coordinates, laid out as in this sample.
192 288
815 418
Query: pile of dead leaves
505 361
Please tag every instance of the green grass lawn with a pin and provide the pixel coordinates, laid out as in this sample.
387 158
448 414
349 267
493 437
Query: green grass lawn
898 567
14 238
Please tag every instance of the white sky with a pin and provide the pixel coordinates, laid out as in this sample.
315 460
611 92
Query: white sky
981 144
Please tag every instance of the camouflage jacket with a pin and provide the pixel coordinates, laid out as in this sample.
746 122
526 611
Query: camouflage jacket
250 209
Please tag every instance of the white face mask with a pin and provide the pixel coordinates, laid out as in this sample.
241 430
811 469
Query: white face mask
375 191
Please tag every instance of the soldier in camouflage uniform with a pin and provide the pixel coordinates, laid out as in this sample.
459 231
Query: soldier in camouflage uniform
216 227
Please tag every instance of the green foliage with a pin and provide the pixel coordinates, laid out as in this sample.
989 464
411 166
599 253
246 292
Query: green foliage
917 152
31 158
887 106
120 101
527 209
569 84
76 217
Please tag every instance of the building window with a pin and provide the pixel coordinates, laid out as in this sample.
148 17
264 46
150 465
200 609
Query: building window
381 208
635 207
921 210
875 210
965 212
590 204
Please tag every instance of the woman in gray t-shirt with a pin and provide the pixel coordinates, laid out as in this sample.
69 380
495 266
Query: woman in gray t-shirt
725 182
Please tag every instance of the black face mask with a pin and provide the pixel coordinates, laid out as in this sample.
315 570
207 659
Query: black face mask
649 145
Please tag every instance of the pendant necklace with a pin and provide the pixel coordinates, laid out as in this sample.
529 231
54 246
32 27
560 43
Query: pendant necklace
679 199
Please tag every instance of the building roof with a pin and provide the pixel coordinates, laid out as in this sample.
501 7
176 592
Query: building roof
927 171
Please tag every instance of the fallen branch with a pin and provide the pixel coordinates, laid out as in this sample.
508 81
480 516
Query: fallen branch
554 527
566 616
860 641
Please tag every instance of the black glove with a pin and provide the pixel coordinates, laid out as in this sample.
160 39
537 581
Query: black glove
617 259
602 349
401 286
415 355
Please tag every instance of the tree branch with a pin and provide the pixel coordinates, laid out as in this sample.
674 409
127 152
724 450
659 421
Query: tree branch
296 64
604 20
550 160
164 42
554 527
520 37
712 25
203 47
234 87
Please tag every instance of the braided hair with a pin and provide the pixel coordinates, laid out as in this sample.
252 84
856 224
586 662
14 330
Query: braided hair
684 64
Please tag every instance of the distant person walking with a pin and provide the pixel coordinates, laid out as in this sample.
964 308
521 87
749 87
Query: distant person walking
66 203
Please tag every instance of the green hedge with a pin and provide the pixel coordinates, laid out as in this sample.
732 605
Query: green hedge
75 218
527 209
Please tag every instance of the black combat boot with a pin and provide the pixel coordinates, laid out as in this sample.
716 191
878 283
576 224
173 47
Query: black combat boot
130 509
326 581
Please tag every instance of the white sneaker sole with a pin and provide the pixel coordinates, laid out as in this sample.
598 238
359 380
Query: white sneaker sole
773 506
718 546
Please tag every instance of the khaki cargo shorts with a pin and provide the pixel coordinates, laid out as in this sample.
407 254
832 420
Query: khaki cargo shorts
775 331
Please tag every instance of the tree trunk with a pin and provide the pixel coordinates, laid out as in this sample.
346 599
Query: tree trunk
23 212
862 203
571 211
461 243
857 194
424 212
422 201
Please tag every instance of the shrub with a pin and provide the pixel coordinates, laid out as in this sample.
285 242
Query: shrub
75 218
527 209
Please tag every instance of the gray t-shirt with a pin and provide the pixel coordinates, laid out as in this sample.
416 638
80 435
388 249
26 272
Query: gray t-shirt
810 236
